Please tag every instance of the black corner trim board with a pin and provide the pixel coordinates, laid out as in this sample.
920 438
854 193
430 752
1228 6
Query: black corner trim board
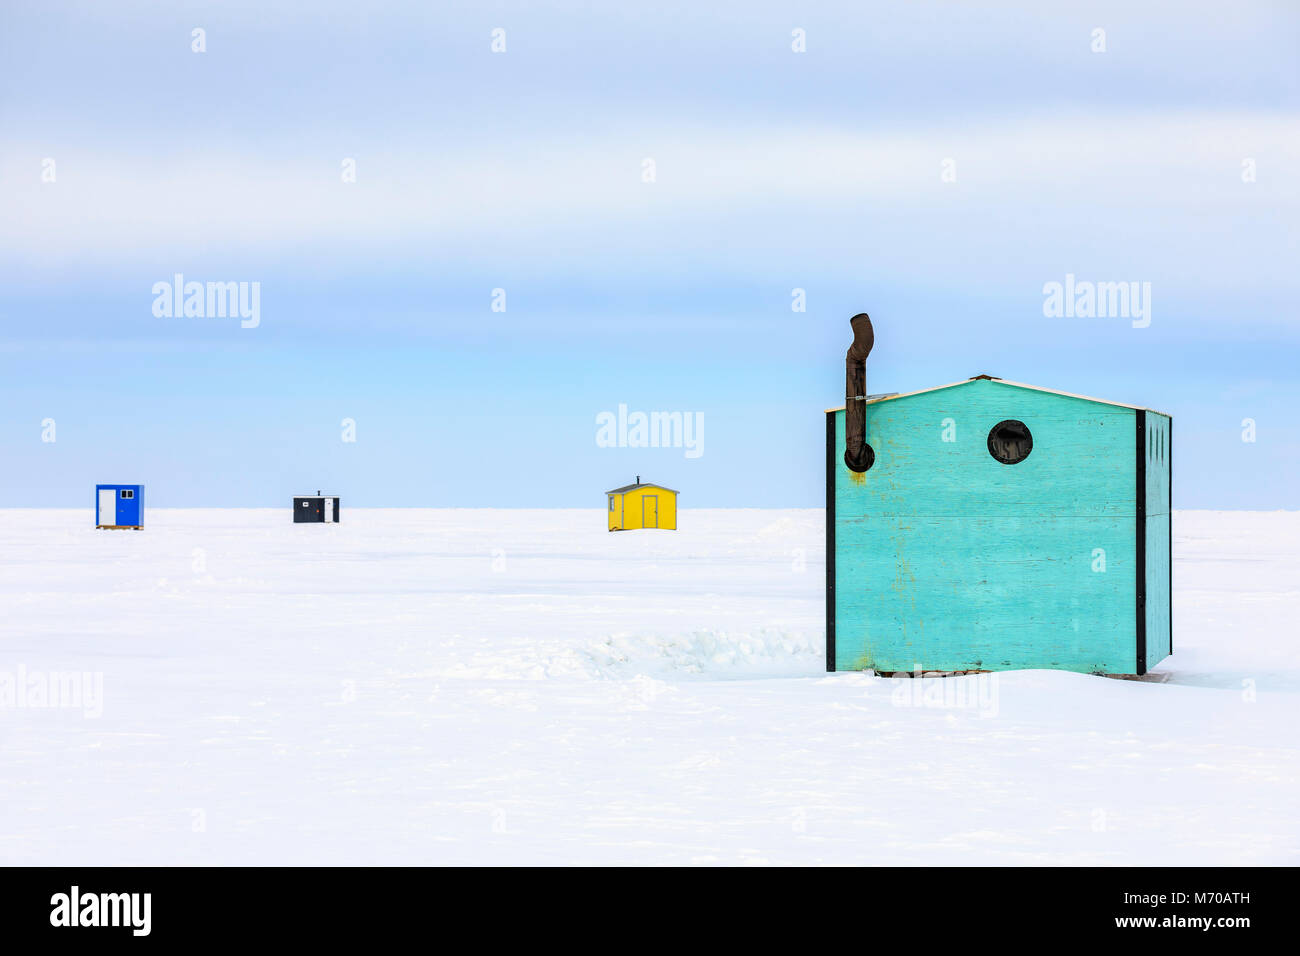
1141 543
831 465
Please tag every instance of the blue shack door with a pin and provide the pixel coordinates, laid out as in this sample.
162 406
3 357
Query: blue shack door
128 507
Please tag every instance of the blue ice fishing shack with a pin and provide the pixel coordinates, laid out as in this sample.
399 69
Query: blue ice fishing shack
987 525
119 506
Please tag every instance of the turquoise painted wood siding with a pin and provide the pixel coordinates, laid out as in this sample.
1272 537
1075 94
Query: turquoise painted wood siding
948 559
1158 451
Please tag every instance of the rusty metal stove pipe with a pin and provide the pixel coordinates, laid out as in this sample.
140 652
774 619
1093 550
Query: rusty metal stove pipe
857 455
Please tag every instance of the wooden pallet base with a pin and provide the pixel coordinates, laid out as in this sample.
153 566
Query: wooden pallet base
119 527
1151 677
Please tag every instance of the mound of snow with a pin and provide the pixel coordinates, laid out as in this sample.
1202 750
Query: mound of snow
707 654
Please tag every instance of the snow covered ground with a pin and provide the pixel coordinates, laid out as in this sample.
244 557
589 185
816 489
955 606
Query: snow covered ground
421 686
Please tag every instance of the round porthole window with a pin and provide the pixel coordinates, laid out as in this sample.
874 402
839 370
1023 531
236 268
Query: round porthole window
1010 441
864 463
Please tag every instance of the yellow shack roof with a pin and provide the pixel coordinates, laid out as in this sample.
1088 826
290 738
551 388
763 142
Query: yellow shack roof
641 484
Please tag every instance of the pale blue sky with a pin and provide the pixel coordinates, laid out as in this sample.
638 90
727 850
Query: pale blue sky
523 171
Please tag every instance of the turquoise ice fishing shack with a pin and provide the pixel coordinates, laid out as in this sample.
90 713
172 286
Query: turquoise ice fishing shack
988 525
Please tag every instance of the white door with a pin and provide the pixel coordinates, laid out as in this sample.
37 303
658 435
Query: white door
329 509
107 506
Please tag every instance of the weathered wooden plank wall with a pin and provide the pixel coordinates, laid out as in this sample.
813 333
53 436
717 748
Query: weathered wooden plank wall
947 558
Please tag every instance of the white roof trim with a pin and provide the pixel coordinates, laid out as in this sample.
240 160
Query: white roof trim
1036 388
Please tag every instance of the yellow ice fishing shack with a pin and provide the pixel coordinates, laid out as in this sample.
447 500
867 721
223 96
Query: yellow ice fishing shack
642 505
